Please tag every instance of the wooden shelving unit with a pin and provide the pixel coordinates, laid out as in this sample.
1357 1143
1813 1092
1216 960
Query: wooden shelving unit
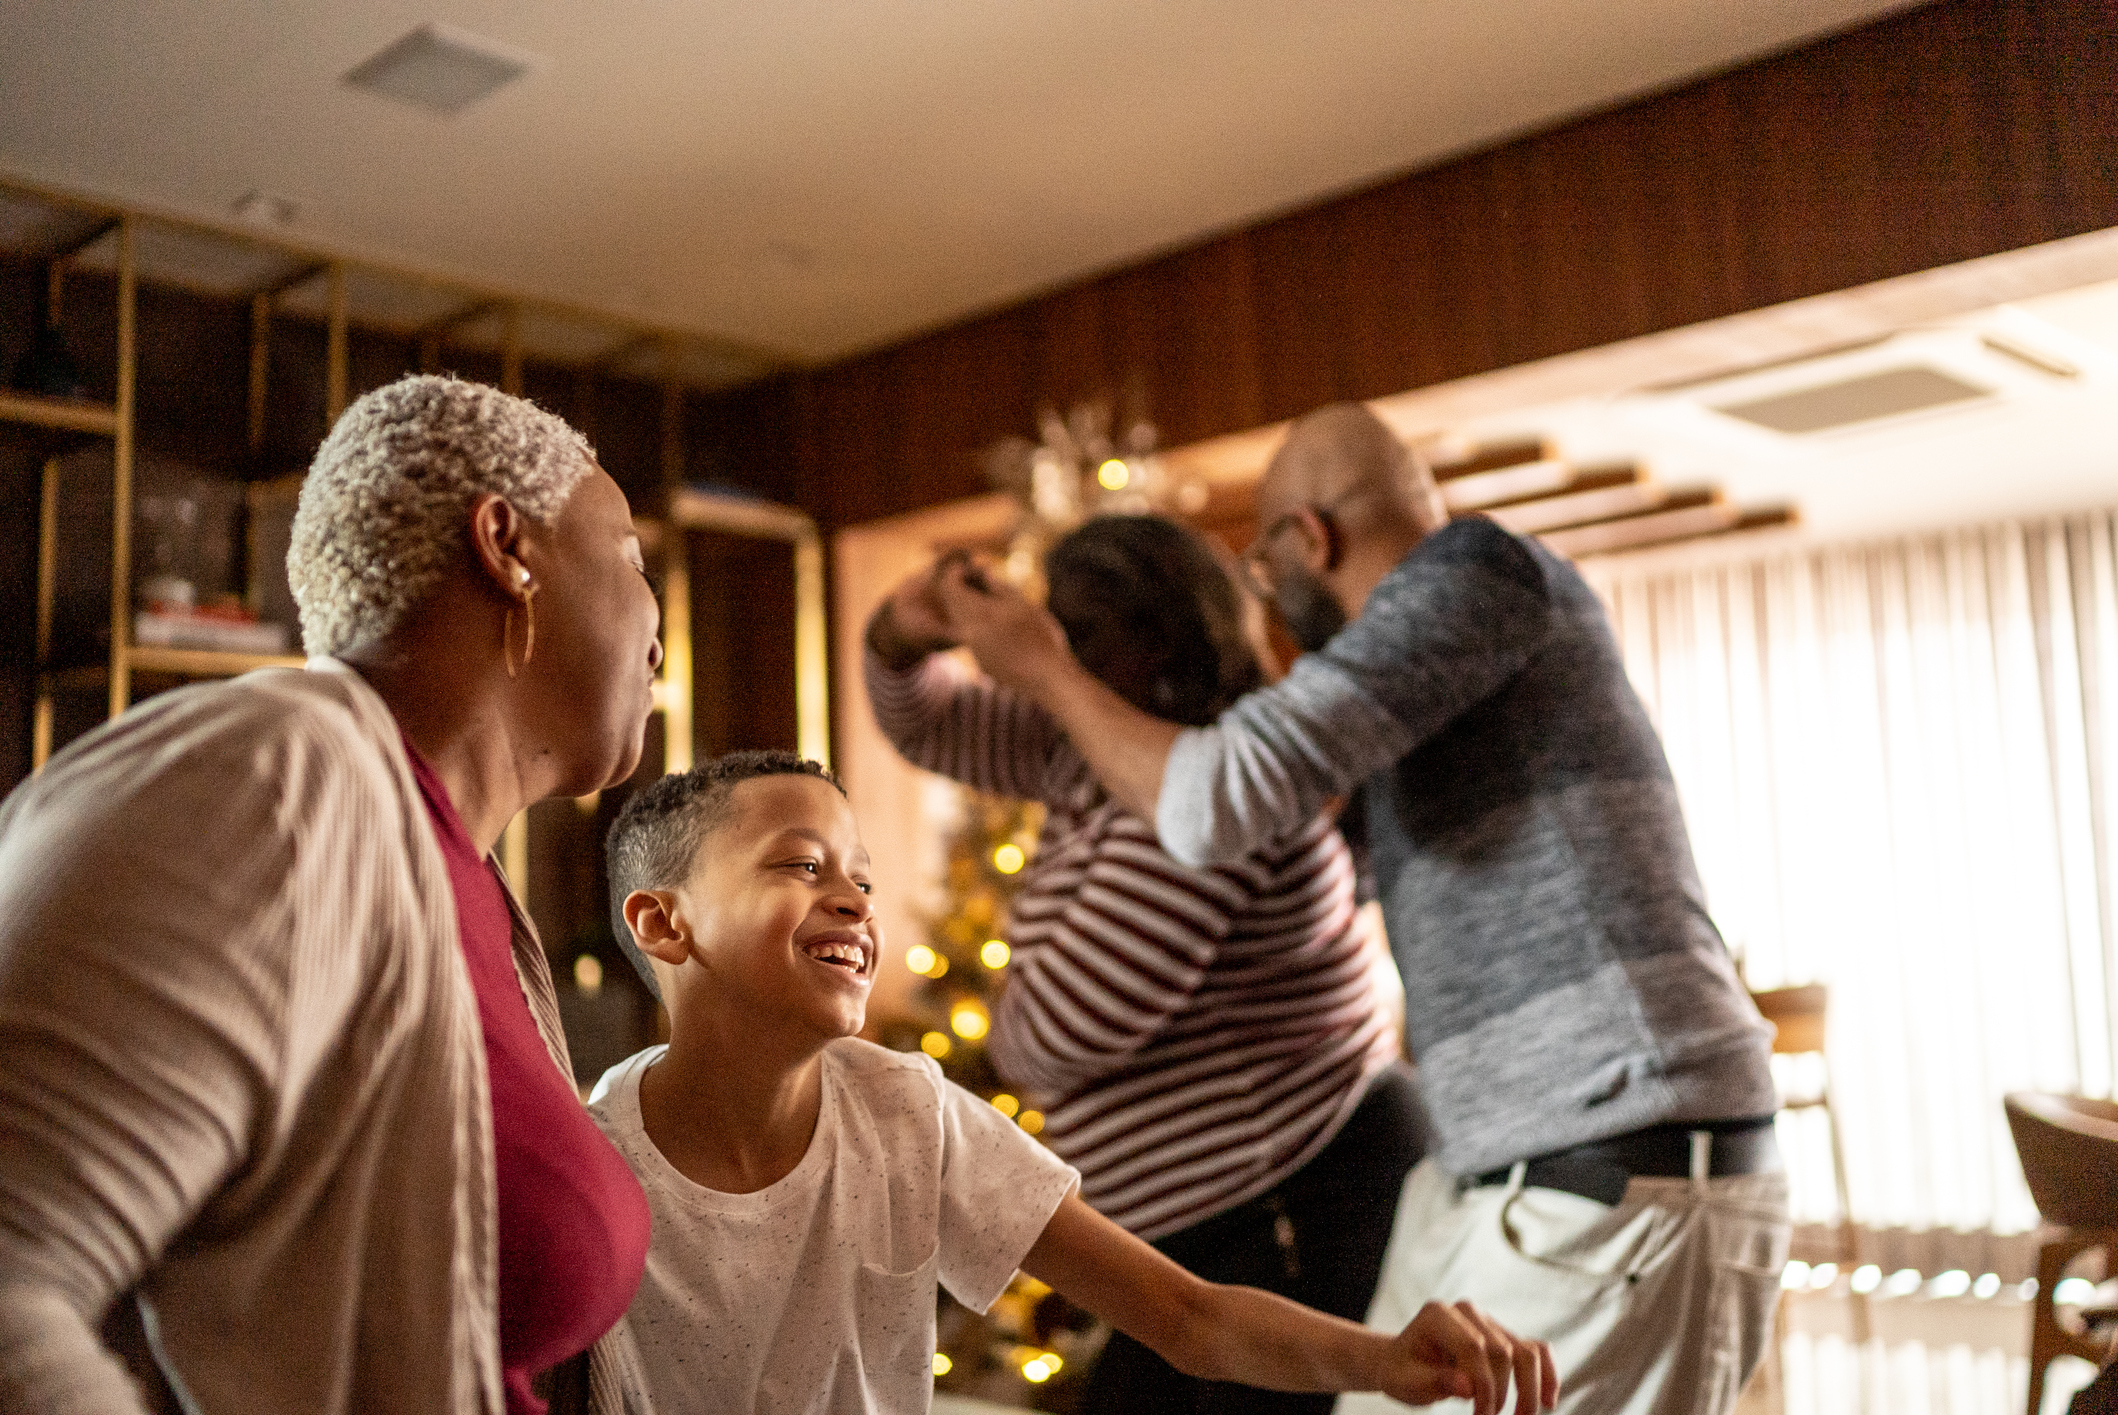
279 278
62 425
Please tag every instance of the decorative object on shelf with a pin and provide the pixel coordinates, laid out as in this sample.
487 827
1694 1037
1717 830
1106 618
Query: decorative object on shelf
185 566
48 366
1079 469
167 535
223 626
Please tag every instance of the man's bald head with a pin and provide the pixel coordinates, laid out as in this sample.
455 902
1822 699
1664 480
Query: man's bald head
1343 456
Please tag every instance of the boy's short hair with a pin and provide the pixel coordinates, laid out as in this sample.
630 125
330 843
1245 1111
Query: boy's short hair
657 837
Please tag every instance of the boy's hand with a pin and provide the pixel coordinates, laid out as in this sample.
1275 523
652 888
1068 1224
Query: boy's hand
1457 1350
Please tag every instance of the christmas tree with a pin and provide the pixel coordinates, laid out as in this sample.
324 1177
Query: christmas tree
1030 1349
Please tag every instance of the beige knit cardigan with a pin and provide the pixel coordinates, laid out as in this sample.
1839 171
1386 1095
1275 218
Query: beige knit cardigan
246 1149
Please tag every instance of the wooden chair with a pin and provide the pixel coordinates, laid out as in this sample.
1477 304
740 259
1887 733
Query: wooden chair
2068 1146
1797 1015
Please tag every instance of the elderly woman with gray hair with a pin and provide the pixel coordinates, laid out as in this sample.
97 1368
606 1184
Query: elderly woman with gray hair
286 1120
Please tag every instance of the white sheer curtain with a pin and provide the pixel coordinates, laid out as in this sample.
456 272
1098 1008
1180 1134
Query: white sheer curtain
1899 763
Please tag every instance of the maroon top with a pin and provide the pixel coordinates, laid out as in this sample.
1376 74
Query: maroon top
573 1222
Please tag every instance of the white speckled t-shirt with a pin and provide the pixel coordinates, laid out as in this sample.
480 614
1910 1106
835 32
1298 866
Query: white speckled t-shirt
815 1295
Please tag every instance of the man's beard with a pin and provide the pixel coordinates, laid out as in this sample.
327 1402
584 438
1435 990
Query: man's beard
1311 612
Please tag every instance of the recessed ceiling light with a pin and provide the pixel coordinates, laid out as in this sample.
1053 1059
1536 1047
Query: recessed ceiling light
790 255
265 209
441 68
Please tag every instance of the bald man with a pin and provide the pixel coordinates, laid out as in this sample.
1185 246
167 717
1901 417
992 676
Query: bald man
1605 1176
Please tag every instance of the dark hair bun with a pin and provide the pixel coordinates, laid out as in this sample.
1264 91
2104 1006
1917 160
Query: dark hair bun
1151 610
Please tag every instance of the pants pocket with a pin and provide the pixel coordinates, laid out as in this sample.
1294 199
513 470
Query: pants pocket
1582 1243
1744 1301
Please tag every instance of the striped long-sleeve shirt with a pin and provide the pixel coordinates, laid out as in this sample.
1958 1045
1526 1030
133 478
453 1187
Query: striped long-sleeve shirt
1194 1035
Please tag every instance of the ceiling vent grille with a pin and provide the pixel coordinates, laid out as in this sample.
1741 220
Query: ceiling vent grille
1883 394
441 68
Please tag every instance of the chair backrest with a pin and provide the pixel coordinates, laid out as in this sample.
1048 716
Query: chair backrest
2068 1146
1797 1014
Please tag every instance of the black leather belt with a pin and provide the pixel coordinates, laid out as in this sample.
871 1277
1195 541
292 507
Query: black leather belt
1601 1169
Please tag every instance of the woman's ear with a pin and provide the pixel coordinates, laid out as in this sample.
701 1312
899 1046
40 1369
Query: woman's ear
496 543
651 914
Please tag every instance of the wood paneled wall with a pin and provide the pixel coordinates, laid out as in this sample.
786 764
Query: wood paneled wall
1951 131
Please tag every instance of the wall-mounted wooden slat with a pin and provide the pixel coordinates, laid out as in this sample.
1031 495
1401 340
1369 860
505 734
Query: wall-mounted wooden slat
1582 505
1681 516
1521 482
1492 456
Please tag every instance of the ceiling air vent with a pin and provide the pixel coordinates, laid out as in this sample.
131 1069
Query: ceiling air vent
1885 393
441 68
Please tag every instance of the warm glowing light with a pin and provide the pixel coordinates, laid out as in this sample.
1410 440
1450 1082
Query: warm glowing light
1114 475
1006 1104
1052 1361
1008 858
942 1363
936 1045
941 966
1866 1278
1031 1120
968 1021
994 954
1035 1371
588 974
920 958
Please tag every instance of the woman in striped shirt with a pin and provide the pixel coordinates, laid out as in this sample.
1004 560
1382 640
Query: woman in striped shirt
1210 1046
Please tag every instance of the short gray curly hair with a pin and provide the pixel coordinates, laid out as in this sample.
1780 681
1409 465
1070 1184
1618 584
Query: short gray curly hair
383 509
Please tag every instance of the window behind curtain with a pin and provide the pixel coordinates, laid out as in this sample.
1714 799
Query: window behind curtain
1899 763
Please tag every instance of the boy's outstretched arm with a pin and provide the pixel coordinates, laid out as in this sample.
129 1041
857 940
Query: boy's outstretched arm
1255 1338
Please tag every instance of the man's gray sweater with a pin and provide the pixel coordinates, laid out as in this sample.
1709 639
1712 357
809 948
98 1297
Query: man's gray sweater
1563 981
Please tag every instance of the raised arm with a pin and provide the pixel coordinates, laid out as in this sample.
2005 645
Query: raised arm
945 719
1453 622
1245 1335
1023 648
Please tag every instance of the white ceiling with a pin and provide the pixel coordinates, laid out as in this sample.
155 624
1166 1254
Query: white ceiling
819 176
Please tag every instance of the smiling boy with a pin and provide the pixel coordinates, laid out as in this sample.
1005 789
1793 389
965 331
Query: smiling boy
810 1190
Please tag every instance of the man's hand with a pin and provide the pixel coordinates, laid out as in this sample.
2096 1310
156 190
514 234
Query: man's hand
909 625
1017 643
1457 1350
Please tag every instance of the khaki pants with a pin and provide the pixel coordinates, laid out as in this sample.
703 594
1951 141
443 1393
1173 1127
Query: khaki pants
1661 1305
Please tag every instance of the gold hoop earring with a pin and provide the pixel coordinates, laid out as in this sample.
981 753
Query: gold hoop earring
529 623
529 631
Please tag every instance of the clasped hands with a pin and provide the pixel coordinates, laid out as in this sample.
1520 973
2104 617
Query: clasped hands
958 601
